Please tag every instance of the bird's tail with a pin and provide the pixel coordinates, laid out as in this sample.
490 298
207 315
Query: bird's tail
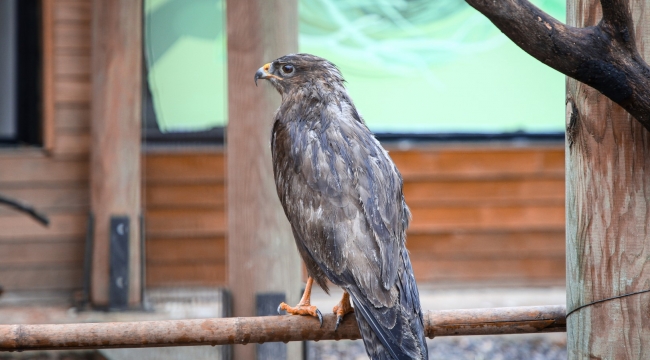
395 333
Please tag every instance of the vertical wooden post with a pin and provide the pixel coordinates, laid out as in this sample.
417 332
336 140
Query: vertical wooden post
608 213
115 153
262 256
47 24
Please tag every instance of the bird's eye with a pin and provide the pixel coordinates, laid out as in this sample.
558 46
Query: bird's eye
287 69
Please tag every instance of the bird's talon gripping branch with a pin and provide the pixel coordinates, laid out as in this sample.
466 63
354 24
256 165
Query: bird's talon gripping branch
339 319
304 307
320 317
342 308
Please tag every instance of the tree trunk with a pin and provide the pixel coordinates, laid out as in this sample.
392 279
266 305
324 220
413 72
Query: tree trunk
262 255
608 212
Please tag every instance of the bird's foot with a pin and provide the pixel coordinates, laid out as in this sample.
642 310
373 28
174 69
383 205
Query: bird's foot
302 309
342 308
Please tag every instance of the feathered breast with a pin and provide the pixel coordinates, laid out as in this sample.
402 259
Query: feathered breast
340 191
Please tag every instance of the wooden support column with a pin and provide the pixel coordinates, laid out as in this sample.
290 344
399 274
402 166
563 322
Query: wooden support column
115 153
262 255
47 74
608 212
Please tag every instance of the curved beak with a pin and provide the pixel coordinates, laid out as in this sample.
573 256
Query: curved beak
263 73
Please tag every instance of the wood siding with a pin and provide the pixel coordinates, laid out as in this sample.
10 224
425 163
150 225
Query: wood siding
480 213
56 179
485 213
185 225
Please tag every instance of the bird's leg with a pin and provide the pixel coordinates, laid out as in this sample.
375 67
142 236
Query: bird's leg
304 307
342 308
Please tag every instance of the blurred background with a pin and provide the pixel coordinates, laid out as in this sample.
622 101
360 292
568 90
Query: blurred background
475 126
424 59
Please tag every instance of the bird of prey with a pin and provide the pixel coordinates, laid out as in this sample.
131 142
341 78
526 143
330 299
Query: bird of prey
343 197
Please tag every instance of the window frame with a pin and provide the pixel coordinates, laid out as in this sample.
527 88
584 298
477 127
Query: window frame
28 87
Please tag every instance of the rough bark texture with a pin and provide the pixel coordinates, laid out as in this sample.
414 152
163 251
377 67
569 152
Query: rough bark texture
602 54
608 157
262 255
514 320
115 130
608 208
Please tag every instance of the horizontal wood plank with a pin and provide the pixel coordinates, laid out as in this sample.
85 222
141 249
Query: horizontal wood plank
72 65
186 223
186 275
490 270
72 36
484 191
441 163
72 91
73 119
487 218
186 251
42 278
483 245
77 143
18 227
39 254
185 195
42 170
72 11
64 197
184 168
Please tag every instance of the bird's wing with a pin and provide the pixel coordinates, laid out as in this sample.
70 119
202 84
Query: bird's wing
342 193
398 326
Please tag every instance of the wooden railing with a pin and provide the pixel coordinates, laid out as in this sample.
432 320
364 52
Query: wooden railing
223 331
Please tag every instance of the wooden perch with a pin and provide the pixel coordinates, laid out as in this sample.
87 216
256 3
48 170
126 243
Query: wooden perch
604 56
515 320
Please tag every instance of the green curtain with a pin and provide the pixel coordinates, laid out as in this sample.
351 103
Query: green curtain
411 65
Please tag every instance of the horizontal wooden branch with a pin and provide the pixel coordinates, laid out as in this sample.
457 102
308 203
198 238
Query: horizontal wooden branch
514 320
603 56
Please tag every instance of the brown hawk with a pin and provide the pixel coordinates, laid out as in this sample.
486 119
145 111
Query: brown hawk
343 197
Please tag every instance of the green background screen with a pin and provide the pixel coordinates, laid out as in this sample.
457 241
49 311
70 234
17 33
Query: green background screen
411 66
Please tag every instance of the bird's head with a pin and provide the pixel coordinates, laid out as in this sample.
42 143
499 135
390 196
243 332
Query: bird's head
294 71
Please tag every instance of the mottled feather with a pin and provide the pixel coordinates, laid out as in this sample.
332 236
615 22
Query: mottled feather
343 197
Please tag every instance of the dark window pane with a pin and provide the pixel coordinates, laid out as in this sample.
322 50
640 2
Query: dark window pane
20 72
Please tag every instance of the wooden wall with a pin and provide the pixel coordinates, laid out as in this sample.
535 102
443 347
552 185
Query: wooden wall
486 214
56 181
185 217
481 213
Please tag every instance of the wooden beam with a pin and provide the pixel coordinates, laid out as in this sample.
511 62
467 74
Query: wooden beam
608 182
47 23
116 122
262 254
223 331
